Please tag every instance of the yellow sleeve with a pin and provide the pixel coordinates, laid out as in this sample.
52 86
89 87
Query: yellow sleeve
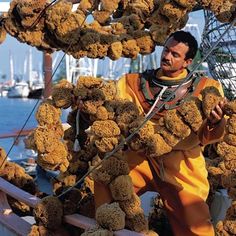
126 92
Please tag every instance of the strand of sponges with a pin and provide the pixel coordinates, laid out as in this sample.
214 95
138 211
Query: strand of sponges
61 28
226 150
114 173
227 147
47 138
122 191
175 125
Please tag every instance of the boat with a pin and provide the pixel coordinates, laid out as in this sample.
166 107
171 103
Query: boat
27 85
35 78
19 90
4 90
36 85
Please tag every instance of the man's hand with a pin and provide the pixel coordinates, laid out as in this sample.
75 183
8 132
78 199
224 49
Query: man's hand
217 113
78 102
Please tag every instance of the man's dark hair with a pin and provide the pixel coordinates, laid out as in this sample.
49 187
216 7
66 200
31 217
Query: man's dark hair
188 39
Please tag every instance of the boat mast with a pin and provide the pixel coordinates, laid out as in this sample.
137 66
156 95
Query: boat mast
30 69
11 82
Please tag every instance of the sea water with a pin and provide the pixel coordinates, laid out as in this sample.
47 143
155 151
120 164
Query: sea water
16 113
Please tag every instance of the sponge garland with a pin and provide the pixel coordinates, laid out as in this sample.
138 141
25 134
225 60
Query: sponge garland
113 32
109 120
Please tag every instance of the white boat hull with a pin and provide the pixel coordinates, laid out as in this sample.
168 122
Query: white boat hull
20 90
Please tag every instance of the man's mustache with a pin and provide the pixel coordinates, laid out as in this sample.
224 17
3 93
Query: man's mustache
166 61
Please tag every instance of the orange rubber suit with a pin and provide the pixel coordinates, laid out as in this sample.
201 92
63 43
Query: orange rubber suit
180 177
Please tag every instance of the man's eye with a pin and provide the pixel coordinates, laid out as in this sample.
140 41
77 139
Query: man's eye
175 55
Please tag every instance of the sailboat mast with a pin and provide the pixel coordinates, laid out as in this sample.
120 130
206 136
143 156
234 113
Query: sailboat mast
11 70
30 69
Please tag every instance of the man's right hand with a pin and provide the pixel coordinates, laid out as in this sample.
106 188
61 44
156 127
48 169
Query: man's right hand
217 113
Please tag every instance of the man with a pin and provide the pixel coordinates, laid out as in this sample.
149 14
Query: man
180 177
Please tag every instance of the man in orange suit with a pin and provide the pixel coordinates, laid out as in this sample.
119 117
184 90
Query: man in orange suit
180 177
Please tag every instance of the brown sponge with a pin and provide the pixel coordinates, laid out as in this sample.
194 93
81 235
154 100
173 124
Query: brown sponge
49 212
121 188
110 216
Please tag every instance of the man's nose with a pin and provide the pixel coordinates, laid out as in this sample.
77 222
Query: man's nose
167 55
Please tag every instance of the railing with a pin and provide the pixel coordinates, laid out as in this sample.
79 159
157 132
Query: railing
15 225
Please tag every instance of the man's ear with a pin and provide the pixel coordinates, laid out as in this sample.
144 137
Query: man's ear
188 62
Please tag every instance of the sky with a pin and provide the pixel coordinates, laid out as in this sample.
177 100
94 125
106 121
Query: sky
20 50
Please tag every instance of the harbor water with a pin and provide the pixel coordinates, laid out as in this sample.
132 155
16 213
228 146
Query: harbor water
14 114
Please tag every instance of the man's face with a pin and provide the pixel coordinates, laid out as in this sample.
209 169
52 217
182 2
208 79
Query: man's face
173 59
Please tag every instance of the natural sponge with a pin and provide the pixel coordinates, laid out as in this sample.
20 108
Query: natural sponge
110 216
210 98
49 212
62 94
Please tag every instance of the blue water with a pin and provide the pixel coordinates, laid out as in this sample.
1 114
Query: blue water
14 113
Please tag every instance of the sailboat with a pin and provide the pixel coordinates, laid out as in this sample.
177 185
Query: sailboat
20 88
31 86
35 78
